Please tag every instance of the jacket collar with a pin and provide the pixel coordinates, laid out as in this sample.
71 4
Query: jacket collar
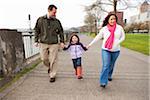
75 43
46 17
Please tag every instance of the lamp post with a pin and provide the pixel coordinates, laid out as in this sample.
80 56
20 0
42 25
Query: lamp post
29 19
30 32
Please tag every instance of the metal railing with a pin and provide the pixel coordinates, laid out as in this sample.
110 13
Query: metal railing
30 49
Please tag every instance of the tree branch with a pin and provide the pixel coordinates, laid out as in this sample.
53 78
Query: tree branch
128 7
105 3
110 1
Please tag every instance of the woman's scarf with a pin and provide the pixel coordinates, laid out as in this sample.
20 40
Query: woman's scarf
110 40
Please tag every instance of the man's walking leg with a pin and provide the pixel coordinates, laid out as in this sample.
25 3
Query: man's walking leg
44 53
53 61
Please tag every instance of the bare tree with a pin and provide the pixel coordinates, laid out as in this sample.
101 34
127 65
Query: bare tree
100 6
90 21
92 17
125 4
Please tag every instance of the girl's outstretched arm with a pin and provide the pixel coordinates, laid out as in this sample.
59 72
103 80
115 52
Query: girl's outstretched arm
66 48
83 47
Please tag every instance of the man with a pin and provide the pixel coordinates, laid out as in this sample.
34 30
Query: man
47 30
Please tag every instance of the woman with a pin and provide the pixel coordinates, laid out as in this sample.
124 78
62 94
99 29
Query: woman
112 34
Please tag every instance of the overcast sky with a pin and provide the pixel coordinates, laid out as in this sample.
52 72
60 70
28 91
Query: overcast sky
14 13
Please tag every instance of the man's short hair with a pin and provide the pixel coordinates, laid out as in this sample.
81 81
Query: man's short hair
50 7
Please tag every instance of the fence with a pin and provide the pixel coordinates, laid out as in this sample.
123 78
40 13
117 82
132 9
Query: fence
15 49
30 49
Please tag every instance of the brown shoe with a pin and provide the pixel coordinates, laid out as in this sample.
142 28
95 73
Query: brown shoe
103 86
109 79
52 80
80 77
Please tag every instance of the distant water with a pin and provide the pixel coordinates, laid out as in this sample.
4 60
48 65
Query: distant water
30 49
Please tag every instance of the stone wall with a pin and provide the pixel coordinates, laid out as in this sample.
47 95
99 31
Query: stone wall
11 52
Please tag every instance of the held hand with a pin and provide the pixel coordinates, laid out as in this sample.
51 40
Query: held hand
88 47
62 45
36 44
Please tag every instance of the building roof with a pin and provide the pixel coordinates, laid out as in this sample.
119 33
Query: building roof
145 3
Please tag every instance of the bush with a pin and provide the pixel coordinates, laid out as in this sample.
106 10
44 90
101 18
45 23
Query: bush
137 26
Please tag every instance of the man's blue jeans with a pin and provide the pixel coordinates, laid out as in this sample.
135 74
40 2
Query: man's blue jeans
108 59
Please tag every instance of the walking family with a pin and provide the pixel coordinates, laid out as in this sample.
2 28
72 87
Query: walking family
47 30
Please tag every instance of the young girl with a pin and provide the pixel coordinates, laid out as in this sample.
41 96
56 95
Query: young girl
76 49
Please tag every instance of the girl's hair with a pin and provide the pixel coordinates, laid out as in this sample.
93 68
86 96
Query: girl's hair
105 22
75 36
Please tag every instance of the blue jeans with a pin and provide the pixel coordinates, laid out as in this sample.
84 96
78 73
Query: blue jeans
76 62
108 59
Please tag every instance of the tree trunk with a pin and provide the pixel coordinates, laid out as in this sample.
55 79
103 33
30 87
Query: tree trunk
115 6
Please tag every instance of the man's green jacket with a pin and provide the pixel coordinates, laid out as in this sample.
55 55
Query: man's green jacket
47 30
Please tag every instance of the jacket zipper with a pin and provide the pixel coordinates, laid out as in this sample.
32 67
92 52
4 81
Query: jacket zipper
75 51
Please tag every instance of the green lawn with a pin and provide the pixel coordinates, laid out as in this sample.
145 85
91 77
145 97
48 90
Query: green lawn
137 42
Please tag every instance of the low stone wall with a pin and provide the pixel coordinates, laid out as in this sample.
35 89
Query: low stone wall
12 53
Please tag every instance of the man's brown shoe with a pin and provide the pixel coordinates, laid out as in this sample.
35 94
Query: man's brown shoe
52 80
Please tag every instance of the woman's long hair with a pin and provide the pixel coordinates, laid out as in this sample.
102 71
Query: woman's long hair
105 22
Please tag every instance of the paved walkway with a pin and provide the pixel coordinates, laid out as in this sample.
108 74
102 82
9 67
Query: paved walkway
130 81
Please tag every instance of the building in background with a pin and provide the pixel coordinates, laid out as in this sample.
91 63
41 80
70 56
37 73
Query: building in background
140 23
144 14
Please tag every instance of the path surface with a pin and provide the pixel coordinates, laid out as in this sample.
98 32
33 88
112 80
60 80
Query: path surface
130 80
